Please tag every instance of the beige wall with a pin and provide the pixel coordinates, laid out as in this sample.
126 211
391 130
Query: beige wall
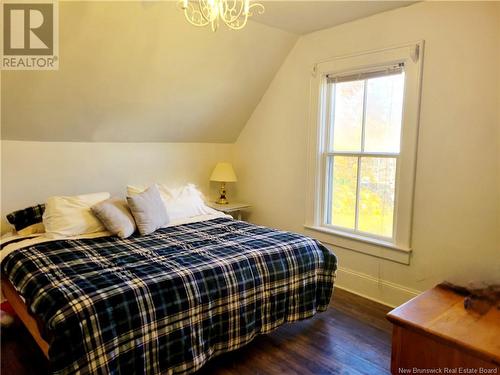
498 121
33 171
130 72
456 228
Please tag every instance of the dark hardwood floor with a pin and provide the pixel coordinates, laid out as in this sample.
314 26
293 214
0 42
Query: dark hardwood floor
351 337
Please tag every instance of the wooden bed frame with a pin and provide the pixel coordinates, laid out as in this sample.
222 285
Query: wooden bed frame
29 321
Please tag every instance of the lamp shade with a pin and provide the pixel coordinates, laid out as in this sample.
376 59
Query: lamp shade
223 172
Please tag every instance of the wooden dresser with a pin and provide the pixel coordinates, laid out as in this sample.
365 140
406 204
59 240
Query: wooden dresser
434 331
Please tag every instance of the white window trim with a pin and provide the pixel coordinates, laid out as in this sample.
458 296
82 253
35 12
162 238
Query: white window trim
399 249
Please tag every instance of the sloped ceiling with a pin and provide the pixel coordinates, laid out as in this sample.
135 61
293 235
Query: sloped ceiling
137 71
302 17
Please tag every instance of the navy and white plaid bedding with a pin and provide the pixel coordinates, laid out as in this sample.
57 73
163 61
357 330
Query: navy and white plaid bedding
168 302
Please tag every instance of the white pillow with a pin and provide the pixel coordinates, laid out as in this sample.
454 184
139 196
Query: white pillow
32 229
180 203
72 216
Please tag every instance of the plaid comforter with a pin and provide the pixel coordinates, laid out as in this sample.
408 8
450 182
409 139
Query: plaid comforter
168 302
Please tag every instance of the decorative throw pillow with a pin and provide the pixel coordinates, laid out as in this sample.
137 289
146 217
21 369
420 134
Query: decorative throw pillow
21 219
116 216
181 203
72 216
148 210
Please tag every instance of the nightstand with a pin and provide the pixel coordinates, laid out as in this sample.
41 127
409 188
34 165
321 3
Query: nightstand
230 208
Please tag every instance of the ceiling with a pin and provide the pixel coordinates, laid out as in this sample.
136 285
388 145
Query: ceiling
302 17
138 72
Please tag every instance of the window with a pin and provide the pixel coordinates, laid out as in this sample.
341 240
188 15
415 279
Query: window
364 130
363 149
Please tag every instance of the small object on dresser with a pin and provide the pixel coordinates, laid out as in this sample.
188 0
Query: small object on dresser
230 208
223 172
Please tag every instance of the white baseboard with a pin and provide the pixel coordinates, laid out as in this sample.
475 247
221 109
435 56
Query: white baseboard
372 288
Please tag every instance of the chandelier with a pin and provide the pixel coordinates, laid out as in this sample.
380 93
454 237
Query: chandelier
234 13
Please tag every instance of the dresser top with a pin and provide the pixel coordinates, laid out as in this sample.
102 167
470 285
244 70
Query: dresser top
440 312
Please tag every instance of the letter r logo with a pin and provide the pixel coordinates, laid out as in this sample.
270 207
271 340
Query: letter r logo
28 29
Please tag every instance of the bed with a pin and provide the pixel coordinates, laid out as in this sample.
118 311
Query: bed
164 303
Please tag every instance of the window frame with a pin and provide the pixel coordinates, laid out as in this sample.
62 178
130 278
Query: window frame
329 155
399 247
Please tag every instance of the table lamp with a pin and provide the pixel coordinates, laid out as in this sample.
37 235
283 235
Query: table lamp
223 172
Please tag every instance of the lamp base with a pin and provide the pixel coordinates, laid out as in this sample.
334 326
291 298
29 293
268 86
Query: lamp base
222 199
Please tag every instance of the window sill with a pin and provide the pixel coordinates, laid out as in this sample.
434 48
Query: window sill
369 246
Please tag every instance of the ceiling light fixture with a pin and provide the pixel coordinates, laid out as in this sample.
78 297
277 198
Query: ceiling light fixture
234 13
